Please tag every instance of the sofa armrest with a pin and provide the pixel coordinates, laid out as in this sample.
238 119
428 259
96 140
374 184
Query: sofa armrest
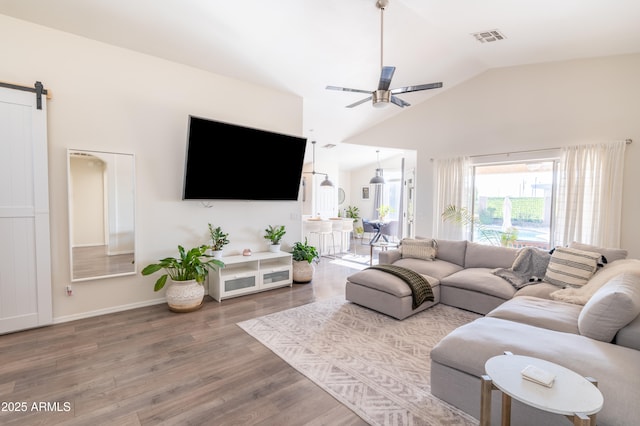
388 256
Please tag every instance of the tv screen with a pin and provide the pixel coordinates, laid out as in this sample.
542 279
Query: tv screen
230 162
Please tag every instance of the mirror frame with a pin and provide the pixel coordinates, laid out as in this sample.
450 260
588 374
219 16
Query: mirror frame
128 240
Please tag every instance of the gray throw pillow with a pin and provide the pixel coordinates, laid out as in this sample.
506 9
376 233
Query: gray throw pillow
612 307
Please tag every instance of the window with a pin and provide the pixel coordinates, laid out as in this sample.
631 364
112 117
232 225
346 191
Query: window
512 203
392 193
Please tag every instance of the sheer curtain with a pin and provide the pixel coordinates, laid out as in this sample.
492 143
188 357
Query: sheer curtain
590 194
452 187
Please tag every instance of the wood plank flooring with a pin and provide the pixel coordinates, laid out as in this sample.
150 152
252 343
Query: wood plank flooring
150 366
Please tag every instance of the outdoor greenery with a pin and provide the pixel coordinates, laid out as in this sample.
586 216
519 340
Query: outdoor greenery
523 209
190 265
463 216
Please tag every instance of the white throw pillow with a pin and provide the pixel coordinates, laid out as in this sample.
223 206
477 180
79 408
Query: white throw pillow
612 307
571 267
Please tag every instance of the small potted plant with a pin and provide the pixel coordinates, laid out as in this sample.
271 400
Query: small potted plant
186 274
353 212
218 241
384 210
303 257
274 234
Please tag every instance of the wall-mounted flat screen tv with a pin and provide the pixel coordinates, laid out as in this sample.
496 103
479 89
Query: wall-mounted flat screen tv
230 162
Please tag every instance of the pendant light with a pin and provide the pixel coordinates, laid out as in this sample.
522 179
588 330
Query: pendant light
377 179
326 182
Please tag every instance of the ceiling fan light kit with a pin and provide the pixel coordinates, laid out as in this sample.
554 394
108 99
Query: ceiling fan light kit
382 96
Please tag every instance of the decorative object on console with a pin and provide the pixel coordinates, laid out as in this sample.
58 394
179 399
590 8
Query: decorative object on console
218 240
187 274
274 234
303 257
246 252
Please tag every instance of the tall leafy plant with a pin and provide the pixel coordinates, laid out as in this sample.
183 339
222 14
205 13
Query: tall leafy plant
304 251
193 264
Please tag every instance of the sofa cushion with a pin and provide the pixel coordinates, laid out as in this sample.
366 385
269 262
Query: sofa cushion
549 314
485 256
541 289
611 254
629 335
436 268
612 307
453 251
387 283
480 280
571 267
424 249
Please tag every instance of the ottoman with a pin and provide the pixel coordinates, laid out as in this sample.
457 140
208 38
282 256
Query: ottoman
386 293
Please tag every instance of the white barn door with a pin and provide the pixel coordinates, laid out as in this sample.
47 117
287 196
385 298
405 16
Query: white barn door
25 256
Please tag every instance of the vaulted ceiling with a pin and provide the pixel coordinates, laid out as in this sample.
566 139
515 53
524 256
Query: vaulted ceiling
301 46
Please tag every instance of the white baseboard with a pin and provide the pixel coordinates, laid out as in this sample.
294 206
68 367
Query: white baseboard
110 310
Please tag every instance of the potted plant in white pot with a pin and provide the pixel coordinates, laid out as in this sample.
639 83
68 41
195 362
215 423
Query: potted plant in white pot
219 239
274 234
186 275
303 256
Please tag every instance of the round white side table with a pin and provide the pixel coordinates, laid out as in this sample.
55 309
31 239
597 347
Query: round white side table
571 394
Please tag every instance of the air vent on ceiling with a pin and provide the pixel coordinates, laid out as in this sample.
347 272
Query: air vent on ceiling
329 145
489 36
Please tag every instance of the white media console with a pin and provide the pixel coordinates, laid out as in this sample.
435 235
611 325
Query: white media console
250 274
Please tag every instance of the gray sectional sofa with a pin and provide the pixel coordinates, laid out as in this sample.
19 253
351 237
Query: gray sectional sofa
597 335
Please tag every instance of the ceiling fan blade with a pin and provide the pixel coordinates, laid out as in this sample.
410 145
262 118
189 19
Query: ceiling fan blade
399 102
385 77
417 88
346 89
360 102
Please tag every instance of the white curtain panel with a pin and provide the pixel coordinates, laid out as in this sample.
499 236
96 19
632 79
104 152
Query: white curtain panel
452 187
590 194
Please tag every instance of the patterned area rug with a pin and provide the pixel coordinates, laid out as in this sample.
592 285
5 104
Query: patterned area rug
377 366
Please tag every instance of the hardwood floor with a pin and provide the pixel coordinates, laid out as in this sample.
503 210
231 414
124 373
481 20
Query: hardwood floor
150 366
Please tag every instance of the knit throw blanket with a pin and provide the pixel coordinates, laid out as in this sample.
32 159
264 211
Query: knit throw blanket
420 287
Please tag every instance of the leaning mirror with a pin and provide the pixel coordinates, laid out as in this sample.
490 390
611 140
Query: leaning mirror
101 191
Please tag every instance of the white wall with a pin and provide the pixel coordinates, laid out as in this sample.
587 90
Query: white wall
525 108
110 99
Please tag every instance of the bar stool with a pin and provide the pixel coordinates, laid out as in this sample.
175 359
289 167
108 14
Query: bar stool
324 231
345 235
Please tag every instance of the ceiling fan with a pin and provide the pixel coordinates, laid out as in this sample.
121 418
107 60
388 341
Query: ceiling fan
383 95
